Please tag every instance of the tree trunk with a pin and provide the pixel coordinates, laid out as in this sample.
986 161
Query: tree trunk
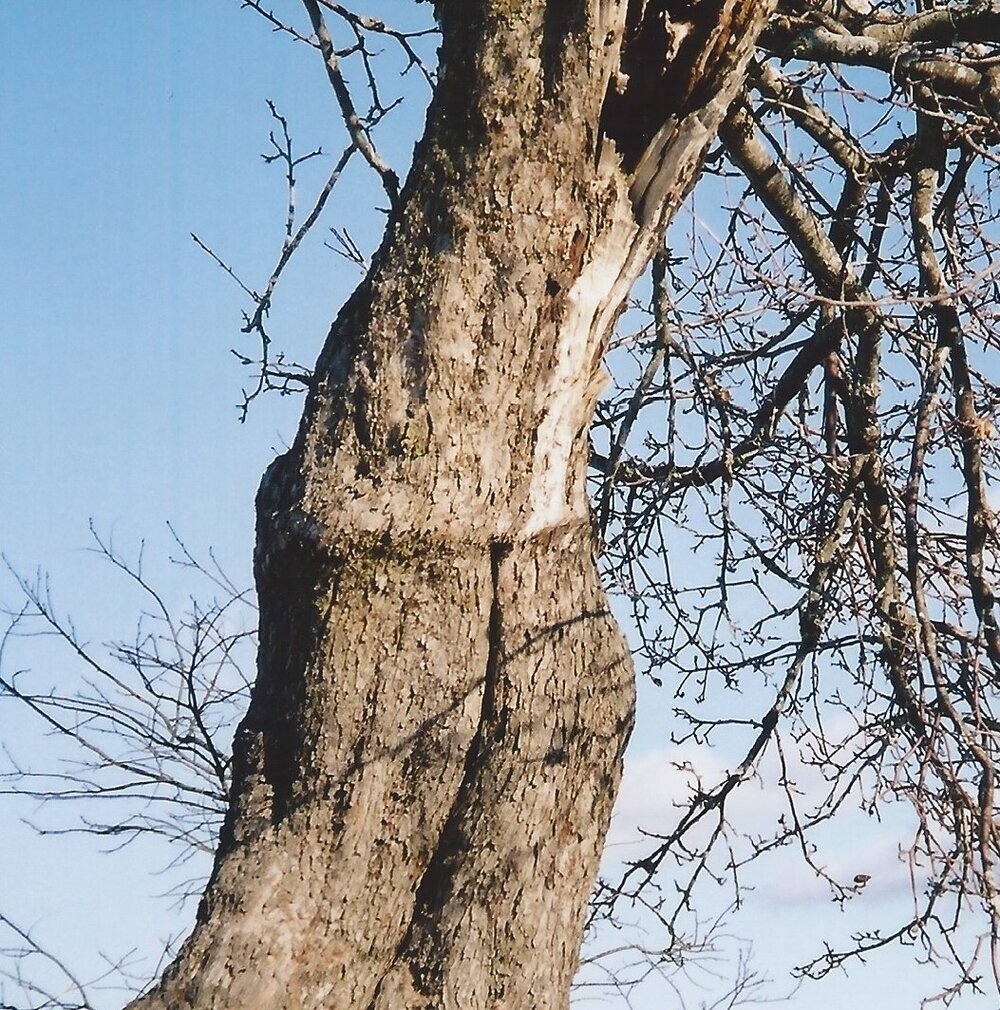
424 779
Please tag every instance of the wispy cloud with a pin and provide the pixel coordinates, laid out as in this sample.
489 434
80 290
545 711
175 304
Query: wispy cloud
659 783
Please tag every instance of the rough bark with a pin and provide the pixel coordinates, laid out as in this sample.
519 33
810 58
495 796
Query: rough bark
425 775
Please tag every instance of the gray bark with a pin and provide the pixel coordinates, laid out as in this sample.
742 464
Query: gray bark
426 773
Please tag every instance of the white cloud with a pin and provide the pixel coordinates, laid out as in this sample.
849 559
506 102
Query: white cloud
658 783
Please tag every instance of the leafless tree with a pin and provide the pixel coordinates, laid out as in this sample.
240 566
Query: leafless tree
805 399
151 718
816 409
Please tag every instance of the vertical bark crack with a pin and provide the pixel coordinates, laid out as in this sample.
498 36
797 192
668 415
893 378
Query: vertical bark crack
498 551
431 890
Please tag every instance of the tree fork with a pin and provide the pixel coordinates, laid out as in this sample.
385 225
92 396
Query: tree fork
424 778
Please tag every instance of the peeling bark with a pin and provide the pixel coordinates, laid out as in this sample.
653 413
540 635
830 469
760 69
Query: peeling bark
425 776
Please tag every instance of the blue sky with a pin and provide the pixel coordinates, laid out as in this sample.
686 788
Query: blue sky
125 127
